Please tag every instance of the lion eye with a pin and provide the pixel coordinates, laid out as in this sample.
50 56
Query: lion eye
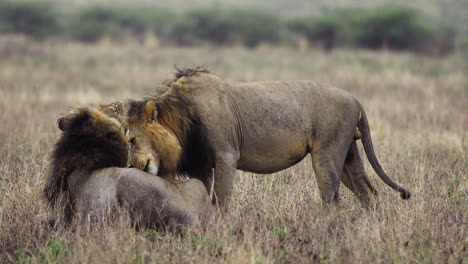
132 142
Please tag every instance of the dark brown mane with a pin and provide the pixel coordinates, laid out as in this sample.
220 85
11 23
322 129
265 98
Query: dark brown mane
178 113
186 71
83 146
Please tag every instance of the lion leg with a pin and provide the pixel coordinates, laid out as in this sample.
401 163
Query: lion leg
224 177
328 157
327 175
355 178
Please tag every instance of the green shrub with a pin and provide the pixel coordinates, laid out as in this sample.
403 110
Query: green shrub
221 27
34 19
141 20
330 29
324 30
252 28
202 25
393 27
92 23
384 27
390 27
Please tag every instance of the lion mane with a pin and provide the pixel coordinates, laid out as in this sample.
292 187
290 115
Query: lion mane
87 143
178 113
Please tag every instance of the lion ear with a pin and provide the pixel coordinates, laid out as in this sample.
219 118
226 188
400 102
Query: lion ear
77 119
64 123
151 111
120 107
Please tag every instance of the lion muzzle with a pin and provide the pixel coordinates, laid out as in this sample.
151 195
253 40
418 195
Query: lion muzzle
152 166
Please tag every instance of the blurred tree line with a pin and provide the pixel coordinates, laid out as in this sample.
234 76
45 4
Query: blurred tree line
386 27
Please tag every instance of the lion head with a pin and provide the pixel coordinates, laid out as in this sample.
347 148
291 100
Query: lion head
92 138
149 141
168 136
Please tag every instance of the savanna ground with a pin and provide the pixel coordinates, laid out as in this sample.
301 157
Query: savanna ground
417 107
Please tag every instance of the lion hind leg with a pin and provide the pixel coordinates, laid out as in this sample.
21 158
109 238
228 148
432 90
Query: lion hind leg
355 178
327 177
328 158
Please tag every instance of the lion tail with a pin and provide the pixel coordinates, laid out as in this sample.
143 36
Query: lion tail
363 126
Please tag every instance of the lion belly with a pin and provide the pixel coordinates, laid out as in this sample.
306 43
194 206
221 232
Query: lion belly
266 165
272 154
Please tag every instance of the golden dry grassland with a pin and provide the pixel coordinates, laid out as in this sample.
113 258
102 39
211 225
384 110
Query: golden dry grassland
417 108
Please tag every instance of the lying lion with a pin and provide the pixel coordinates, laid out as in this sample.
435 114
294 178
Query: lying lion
196 122
89 176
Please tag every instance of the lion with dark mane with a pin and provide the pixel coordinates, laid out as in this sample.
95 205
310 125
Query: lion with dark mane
260 127
89 177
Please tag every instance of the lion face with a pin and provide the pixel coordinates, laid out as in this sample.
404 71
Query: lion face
149 141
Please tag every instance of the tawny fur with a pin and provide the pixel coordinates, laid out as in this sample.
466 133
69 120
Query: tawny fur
169 126
89 177
264 127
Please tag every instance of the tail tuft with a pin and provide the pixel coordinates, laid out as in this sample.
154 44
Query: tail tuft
405 195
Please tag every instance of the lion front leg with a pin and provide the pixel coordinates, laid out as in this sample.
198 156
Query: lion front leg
224 177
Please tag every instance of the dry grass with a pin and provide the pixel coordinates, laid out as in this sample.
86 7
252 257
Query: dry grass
417 109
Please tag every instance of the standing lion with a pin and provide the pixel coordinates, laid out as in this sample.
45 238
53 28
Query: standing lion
260 127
